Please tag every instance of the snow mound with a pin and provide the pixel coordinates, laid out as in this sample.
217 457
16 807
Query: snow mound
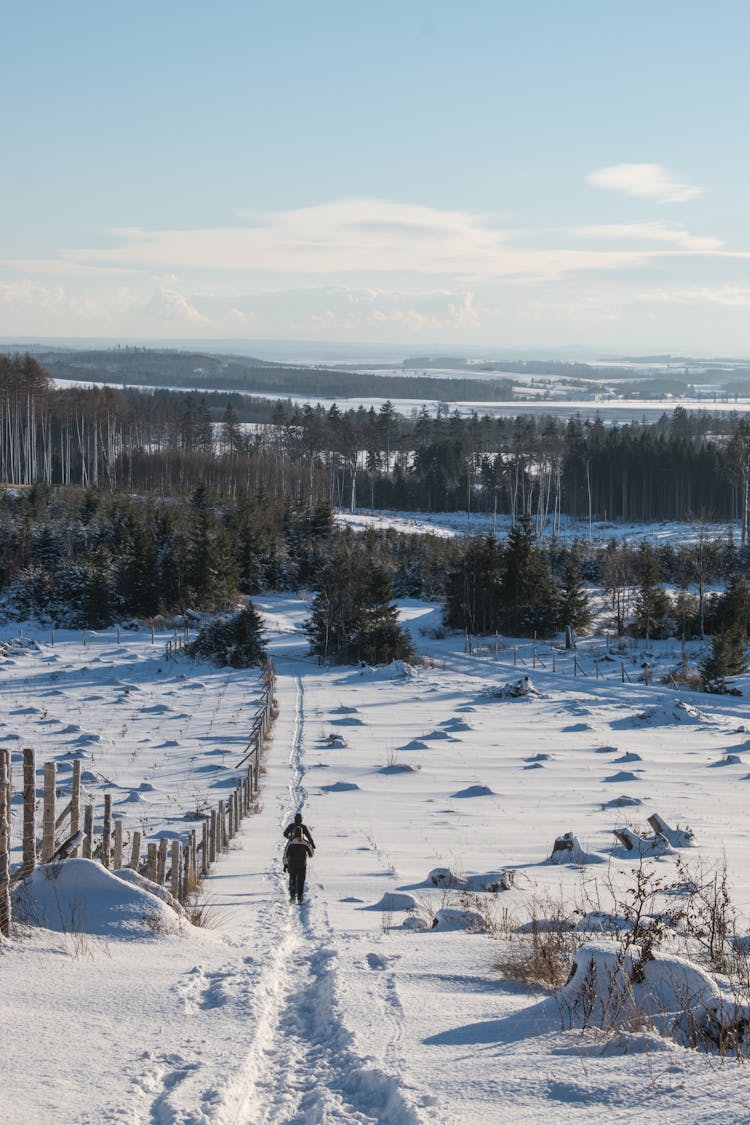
340 787
622 802
415 744
398 767
678 711
631 756
455 724
519 689
393 900
621 776
491 881
475 791
449 918
727 760
396 670
576 728
611 988
81 896
567 849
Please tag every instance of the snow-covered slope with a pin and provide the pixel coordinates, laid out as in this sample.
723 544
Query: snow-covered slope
421 787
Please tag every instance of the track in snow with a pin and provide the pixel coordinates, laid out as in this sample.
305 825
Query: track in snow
302 1067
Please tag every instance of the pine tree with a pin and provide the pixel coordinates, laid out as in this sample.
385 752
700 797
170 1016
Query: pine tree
573 608
473 589
235 641
728 658
652 606
733 606
352 616
529 593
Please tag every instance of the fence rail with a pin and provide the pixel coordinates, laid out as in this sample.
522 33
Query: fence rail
74 828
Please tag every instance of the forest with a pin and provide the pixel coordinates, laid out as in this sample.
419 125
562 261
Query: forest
686 465
121 503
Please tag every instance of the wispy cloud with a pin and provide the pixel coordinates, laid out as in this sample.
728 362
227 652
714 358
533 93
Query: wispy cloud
731 296
650 232
356 237
650 180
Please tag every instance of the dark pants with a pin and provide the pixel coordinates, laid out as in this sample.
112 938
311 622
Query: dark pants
297 884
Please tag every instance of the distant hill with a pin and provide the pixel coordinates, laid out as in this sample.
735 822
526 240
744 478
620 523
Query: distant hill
154 367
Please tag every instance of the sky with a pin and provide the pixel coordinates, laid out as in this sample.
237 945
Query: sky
482 177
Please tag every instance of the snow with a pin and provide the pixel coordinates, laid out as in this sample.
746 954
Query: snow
379 999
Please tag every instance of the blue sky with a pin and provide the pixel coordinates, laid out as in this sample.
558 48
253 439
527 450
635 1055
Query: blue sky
481 176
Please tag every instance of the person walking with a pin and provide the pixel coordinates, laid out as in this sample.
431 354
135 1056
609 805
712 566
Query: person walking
297 823
296 854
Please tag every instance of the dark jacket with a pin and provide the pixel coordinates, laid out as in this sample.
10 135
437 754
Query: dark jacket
289 832
295 855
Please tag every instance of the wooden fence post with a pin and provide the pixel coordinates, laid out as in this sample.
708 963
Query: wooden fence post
204 848
161 869
6 916
75 800
117 862
135 852
87 850
192 844
152 862
186 877
107 829
48 816
176 851
212 838
29 812
6 755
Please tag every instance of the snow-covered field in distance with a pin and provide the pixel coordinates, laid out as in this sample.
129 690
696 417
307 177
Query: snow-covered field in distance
346 1009
479 523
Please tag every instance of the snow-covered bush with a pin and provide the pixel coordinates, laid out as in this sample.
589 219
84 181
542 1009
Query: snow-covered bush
235 641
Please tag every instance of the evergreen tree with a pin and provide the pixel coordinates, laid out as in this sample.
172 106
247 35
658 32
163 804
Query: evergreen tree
728 658
236 641
733 606
473 589
529 593
573 608
652 606
352 616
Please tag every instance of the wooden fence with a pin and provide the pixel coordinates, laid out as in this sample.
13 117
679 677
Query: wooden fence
76 828
602 661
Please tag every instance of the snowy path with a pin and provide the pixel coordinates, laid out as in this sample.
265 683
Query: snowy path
289 1056
302 1067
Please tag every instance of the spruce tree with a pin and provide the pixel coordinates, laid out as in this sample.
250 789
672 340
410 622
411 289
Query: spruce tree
728 658
652 606
352 616
529 593
573 608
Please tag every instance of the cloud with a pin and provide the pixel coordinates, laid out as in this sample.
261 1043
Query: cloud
731 296
354 238
168 304
650 180
650 232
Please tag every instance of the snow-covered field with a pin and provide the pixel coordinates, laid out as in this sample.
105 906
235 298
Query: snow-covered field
480 523
353 1007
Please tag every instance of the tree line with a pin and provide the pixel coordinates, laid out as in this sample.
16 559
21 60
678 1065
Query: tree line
166 443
